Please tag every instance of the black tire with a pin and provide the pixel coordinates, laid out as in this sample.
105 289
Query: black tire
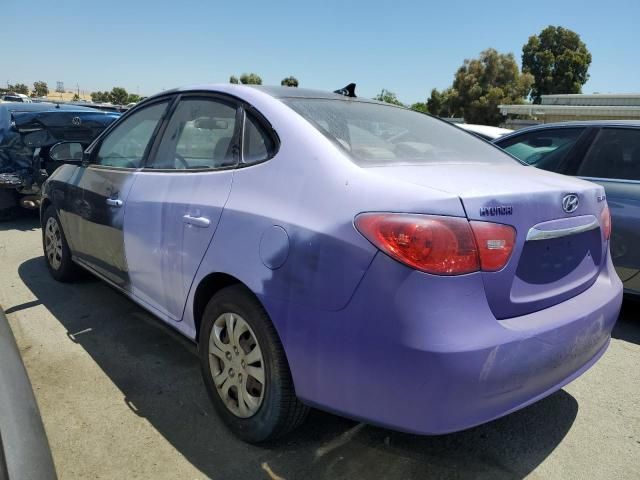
280 411
66 270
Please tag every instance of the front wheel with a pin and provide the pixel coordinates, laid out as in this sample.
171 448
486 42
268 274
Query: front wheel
245 369
56 250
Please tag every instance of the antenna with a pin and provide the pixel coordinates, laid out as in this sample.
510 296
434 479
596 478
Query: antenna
348 91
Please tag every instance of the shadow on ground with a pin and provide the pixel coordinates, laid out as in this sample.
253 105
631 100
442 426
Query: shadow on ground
157 372
628 326
26 221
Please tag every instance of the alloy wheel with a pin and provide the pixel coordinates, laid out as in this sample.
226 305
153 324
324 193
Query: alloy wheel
237 365
53 243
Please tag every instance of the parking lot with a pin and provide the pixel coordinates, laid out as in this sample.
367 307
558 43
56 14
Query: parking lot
121 397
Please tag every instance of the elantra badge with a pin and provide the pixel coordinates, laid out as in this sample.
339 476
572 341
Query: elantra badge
570 203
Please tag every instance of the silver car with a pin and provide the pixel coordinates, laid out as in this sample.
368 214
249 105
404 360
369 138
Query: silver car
603 151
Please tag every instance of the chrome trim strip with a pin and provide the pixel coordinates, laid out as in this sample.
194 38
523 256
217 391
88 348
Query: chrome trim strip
535 234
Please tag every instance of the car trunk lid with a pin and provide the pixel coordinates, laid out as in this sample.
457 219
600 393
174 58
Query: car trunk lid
45 128
557 254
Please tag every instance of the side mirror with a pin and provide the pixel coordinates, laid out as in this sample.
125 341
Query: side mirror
67 152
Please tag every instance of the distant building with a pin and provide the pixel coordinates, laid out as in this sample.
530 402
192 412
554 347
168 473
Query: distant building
559 108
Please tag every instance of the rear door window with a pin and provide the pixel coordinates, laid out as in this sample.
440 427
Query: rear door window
614 154
545 149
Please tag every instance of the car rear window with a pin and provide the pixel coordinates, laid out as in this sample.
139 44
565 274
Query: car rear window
375 134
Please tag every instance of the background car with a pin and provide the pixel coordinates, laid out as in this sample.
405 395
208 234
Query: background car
16 97
27 132
342 253
603 151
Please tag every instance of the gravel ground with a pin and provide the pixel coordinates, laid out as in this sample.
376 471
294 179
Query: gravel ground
121 397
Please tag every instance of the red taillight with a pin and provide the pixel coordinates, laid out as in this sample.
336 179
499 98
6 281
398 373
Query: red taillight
605 222
495 244
440 245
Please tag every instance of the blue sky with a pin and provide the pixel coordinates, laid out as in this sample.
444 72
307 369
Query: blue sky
406 47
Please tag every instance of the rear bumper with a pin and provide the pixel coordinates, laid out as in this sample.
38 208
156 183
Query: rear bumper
426 355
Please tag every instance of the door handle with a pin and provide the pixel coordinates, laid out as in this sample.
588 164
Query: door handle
114 202
201 222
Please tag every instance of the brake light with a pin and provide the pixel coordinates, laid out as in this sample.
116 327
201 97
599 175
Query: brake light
439 245
495 244
605 222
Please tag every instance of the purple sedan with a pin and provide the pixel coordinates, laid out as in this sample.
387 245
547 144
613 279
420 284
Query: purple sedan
340 253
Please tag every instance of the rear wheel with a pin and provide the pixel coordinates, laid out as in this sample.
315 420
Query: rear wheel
245 369
56 250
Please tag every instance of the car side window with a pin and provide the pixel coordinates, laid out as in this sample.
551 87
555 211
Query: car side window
546 149
614 154
200 134
127 143
258 145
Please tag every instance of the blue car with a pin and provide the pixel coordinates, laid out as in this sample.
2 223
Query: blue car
329 251
601 151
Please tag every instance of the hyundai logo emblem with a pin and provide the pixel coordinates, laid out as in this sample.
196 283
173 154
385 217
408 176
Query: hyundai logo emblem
76 121
570 203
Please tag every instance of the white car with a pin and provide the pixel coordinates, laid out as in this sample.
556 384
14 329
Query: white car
16 97
484 131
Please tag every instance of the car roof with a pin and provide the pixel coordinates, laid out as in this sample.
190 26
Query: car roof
295 92
278 92
574 123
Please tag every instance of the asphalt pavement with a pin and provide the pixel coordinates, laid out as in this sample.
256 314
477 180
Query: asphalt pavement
121 397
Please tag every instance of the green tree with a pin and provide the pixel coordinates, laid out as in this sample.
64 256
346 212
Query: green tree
118 96
289 82
233 79
75 98
250 79
419 107
558 60
388 97
443 103
483 83
133 98
19 88
99 97
40 89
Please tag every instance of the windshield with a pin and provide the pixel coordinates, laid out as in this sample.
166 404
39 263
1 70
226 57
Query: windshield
376 134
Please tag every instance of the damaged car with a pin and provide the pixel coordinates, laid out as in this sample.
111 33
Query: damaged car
27 132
